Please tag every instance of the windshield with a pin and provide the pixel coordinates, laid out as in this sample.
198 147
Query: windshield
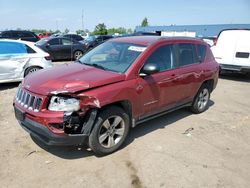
42 41
114 56
90 39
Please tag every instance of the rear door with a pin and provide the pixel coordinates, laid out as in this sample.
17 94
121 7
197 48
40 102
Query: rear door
189 71
224 51
242 50
13 57
66 48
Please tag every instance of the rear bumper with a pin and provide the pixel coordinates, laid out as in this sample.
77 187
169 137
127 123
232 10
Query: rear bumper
43 134
235 68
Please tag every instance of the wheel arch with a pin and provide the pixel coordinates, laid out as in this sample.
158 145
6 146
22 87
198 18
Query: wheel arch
32 66
124 105
210 84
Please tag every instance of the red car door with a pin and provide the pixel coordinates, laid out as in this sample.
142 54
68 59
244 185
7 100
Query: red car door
159 90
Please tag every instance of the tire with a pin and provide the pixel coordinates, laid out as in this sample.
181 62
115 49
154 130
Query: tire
107 136
31 70
201 100
78 54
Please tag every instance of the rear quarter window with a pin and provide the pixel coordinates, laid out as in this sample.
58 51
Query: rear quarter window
201 52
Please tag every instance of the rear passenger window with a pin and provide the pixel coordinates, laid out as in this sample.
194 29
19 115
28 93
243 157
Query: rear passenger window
13 48
186 54
201 52
162 57
66 42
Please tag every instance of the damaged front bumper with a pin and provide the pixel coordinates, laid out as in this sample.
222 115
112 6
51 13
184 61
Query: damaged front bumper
56 130
43 134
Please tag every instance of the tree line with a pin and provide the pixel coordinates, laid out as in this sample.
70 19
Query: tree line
100 29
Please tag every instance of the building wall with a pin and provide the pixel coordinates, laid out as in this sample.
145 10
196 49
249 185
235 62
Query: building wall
200 30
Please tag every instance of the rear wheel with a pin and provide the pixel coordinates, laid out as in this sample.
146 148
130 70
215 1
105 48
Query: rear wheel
110 131
201 100
31 70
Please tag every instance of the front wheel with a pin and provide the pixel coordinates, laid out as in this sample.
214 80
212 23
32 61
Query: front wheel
110 131
201 100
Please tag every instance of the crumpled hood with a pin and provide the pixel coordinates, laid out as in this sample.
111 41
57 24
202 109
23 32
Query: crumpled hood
69 78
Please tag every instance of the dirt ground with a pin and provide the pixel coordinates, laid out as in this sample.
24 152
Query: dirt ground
176 150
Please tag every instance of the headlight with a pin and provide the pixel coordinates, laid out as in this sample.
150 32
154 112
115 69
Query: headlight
64 104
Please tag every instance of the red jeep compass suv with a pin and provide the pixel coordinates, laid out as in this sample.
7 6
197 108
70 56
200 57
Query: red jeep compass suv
120 83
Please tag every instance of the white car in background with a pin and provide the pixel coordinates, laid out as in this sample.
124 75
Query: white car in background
20 58
232 50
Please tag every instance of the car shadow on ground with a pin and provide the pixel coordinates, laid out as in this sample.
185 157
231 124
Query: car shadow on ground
74 152
5 86
235 77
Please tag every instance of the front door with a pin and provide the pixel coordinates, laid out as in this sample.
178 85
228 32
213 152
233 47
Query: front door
159 90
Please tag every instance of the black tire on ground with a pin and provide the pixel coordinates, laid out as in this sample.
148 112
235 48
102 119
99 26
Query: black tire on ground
78 54
31 70
201 100
110 131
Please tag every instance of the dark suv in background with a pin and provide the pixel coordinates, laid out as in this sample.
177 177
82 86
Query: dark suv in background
93 41
23 35
73 36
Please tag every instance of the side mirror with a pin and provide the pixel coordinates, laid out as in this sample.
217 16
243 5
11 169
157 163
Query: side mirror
149 69
47 45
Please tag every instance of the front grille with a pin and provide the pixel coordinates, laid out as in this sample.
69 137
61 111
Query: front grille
27 100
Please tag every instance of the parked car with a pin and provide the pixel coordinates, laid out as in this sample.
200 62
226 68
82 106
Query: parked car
140 33
20 58
74 37
232 50
16 34
93 41
117 85
210 40
61 48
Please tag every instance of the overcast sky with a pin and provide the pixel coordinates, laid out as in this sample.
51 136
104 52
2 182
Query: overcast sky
50 14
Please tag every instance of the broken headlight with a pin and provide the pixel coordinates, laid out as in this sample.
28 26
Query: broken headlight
64 104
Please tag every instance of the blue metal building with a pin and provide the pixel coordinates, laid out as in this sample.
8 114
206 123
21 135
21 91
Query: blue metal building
201 30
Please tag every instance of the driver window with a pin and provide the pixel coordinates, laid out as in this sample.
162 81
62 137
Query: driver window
54 42
162 58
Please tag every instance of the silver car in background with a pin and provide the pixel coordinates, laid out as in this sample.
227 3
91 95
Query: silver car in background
20 58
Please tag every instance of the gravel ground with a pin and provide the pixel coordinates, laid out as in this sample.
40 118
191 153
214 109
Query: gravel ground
179 149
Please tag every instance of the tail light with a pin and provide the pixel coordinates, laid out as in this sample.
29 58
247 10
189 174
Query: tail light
47 58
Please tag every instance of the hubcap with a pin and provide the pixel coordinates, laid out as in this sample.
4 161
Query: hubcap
203 98
33 70
111 131
78 54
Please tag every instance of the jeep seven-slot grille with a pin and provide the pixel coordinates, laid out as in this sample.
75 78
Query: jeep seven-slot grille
27 100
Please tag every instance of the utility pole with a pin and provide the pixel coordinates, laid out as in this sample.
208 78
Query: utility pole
82 21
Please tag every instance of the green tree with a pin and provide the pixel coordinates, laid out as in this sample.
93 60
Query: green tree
129 31
120 30
100 29
144 22
82 32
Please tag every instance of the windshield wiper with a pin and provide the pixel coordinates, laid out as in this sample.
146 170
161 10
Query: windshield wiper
97 66
92 65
